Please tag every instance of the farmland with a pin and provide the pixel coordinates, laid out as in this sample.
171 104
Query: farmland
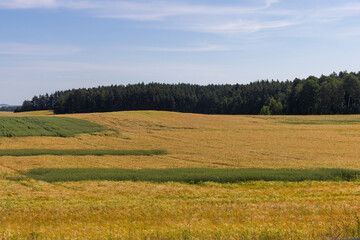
93 208
45 126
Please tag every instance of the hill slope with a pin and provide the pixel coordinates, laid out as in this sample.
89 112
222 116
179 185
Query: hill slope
196 140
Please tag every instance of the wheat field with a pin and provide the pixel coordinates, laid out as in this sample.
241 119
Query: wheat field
31 209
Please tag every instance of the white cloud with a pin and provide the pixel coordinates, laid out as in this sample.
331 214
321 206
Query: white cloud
200 18
123 8
140 10
203 48
35 49
160 10
189 16
18 4
271 2
183 16
335 13
241 26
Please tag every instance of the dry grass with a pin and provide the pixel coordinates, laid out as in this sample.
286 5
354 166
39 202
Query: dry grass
32 209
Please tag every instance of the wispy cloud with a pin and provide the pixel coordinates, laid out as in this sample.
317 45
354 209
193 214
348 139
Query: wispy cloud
35 49
160 10
21 4
330 14
189 16
179 15
202 48
123 8
201 18
271 2
241 26
152 10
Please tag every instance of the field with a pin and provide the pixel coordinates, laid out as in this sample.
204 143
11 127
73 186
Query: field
45 126
93 208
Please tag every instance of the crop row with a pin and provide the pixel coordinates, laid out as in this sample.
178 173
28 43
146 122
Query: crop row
192 175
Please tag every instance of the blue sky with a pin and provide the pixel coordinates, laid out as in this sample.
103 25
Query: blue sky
49 45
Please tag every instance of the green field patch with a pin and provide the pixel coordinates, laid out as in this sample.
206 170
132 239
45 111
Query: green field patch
192 175
78 152
319 122
46 126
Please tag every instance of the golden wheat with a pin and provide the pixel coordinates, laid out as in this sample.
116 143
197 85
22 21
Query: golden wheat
128 210
195 140
32 209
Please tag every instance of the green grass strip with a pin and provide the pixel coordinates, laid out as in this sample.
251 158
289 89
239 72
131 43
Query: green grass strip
78 152
320 122
192 175
46 126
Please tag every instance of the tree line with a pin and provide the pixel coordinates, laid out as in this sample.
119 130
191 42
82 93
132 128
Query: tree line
332 94
8 108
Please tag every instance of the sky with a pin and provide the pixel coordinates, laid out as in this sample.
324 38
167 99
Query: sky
50 45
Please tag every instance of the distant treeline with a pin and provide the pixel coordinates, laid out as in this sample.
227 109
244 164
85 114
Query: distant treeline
8 108
41 102
211 99
333 94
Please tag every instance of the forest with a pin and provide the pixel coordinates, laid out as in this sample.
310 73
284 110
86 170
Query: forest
337 93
